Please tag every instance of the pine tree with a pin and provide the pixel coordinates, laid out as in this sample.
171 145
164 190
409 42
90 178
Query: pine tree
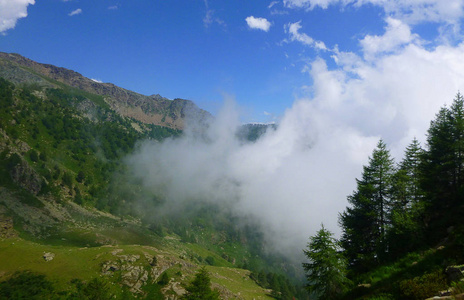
365 223
200 287
407 203
410 167
326 269
443 166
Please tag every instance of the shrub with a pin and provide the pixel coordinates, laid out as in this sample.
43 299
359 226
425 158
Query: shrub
43 156
423 287
210 260
27 285
164 279
67 180
94 289
34 156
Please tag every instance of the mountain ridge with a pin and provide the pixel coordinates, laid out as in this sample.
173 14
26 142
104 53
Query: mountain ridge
154 109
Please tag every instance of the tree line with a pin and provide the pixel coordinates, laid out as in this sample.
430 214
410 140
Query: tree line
396 208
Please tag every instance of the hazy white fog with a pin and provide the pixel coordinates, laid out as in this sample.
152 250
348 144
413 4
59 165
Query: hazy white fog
298 176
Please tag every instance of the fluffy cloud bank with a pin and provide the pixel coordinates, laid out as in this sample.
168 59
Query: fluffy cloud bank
258 23
11 11
410 11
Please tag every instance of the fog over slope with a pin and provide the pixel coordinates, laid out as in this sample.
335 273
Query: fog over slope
298 176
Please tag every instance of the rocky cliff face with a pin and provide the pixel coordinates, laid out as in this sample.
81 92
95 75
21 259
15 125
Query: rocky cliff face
148 109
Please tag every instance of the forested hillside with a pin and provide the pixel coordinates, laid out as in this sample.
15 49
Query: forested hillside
402 233
67 203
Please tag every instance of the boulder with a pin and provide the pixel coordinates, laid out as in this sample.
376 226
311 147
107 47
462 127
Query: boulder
455 273
48 256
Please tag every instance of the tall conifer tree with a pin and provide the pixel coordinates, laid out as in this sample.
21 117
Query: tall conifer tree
443 166
365 222
326 269
407 203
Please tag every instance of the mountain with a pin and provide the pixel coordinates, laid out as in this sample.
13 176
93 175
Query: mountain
153 109
71 222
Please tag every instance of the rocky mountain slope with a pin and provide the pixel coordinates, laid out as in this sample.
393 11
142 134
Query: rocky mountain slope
153 109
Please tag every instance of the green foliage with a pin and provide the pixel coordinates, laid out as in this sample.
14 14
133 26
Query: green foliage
164 279
365 222
43 156
443 168
67 180
95 289
409 208
34 156
457 287
67 139
210 260
200 287
326 269
80 176
424 286
27 285
406 231
31 285
6 90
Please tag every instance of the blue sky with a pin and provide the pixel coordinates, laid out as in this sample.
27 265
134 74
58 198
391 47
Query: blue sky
338 75
194 49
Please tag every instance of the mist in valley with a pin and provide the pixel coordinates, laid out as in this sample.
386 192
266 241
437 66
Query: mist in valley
297 176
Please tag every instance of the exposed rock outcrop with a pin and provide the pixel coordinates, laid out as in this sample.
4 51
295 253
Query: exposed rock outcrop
6 227
25 176
48 256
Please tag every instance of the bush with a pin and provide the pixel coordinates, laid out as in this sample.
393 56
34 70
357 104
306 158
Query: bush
164 279
93 289
67 180
34 156
423 287
27 285
43 156
210 260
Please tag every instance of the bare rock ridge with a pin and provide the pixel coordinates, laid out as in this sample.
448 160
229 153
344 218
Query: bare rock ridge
153 109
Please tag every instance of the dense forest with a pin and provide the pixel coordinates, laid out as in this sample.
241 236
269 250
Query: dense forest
403 226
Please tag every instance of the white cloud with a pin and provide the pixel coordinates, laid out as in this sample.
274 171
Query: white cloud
210 18
75 12
416 11
394 97
311 4
113 7
293 30
11 11
272 4
396 34
96 80
409 11
258 23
